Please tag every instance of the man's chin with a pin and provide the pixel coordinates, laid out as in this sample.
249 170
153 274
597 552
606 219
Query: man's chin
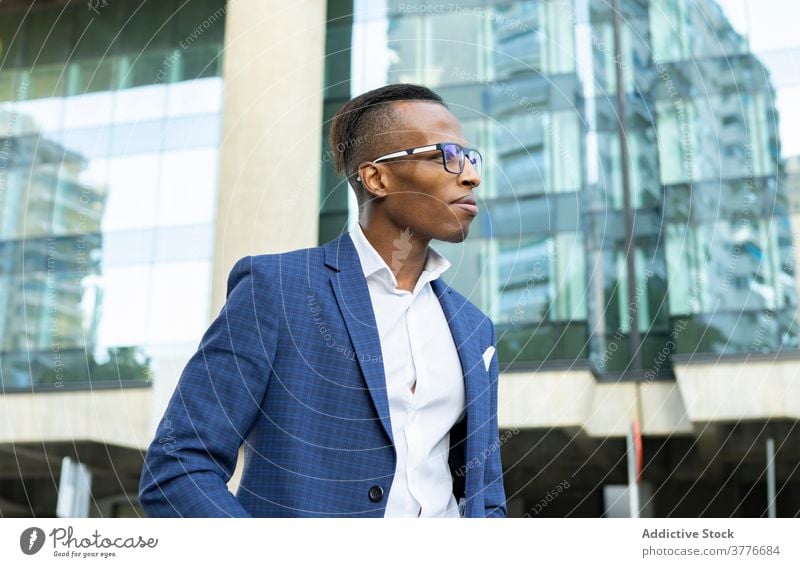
456 237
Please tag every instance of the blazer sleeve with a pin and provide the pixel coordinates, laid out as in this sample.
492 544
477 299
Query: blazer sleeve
214 406
494 492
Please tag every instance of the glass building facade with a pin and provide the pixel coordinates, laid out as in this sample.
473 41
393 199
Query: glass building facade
110 124
579 255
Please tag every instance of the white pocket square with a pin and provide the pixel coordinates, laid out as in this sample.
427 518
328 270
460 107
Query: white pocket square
487 356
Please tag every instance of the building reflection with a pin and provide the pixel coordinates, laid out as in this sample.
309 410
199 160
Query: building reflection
109 171
52 293
536 87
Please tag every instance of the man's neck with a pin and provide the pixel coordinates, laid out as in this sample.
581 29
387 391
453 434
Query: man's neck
403 251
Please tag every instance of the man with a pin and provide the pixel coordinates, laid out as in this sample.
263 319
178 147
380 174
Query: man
360 384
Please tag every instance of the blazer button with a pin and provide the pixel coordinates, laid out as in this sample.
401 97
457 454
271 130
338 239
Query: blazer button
375 493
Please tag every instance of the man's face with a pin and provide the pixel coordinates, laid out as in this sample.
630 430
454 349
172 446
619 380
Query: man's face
419 192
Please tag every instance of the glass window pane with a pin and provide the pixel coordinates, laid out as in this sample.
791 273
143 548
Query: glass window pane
455 46
123 248
88 110
570 269
520 36
11 40
192 132
787 109
526 276
471 270
47 36
523 216
140 104
405 41
132 192
44 114
87 143
8 86
142 69
137 137
772 25
178 313
331 225
12 202
43 81
186 192
203 96
201 21
91 75
148 26
125 305
98 36
338 56
564 151
783 67
537 343
180 243
80 199
201 62
683 29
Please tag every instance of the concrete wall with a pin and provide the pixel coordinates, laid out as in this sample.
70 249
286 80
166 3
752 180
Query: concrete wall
756 389
108 416
714 391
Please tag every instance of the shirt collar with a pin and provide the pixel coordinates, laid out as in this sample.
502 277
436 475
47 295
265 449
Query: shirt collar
372 262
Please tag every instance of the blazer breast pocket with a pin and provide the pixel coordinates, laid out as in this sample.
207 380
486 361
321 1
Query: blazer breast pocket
487 357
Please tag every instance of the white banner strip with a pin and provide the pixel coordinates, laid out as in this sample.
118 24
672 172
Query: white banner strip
370 542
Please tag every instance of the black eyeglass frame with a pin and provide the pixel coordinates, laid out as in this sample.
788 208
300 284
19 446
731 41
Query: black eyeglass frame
463 154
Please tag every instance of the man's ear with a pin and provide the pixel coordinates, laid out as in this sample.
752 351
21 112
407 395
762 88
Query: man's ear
369 175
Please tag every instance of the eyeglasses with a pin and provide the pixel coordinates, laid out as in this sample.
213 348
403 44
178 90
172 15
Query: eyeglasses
454 156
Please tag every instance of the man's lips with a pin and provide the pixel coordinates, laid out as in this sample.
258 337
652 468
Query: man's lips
466 199
467 203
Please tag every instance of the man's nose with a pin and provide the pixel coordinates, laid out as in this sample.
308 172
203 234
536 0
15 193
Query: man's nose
469 176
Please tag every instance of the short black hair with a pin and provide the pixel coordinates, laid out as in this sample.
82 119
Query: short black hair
363 125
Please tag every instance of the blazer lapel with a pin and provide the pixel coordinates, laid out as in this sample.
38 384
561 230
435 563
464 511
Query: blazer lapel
352 294
464 335
466 339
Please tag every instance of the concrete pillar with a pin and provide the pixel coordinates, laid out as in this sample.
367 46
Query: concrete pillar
273 69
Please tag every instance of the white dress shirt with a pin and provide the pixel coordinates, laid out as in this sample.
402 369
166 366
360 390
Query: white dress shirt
417 345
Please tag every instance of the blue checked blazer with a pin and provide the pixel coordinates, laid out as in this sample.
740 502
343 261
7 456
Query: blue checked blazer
292 369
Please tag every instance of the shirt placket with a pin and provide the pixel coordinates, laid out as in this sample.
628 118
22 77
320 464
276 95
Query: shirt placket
412 424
